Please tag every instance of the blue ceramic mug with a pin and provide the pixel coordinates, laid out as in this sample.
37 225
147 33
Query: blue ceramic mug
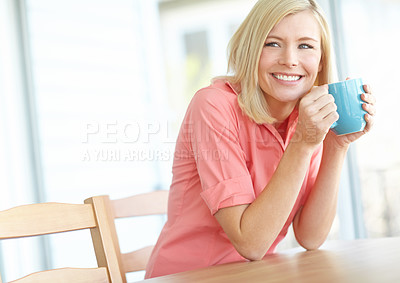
348 100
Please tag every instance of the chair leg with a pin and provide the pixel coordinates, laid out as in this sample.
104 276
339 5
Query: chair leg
105 240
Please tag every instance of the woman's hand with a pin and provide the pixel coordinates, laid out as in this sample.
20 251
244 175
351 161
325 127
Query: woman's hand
317 112
344 141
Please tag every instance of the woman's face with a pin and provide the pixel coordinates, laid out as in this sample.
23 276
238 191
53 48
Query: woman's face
290 59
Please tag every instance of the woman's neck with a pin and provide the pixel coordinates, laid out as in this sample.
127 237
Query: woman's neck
281 110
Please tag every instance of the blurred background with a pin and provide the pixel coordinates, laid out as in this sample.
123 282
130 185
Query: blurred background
92 94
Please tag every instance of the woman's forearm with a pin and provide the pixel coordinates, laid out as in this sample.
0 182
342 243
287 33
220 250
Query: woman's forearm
259 224
313 222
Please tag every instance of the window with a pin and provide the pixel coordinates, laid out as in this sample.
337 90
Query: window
371 51
98 93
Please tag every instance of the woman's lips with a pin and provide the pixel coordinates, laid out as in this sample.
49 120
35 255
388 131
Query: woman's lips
287 78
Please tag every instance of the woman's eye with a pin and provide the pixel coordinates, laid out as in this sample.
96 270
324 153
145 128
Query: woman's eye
272 44
305 46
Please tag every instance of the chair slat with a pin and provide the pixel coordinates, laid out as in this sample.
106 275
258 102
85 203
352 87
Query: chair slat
136 260
105 236
144 204
45 218
67 275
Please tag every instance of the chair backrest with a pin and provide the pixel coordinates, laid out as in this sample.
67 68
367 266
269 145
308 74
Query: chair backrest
50 218
106 211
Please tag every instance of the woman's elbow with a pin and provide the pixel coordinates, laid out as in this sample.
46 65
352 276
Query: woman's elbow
252 256
309 244
309 240
251 252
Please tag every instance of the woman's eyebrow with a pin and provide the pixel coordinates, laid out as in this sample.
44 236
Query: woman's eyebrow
300 39
308 38
274 36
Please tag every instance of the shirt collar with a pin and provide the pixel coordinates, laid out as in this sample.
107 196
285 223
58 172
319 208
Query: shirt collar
292 122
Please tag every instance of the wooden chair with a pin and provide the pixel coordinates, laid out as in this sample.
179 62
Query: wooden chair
106 211
49 218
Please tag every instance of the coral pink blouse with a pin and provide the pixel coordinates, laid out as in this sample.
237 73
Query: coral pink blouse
222 159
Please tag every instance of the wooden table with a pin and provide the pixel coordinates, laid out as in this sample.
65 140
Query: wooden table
366 260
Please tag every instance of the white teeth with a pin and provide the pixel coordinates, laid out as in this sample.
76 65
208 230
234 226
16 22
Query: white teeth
287 78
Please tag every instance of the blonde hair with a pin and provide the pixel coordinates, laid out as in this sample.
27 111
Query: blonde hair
246 45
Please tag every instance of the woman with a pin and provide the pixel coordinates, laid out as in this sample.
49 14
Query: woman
254 153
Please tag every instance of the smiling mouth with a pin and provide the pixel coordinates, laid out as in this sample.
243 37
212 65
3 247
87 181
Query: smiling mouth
287 78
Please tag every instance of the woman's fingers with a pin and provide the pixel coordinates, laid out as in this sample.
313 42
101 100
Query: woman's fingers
370 122
320 105
317 113
369 98
367 88
315 93
370 108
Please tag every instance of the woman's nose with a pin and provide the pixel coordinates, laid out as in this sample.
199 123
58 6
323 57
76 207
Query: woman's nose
289 57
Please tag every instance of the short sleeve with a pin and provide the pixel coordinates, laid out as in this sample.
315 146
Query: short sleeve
220 159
